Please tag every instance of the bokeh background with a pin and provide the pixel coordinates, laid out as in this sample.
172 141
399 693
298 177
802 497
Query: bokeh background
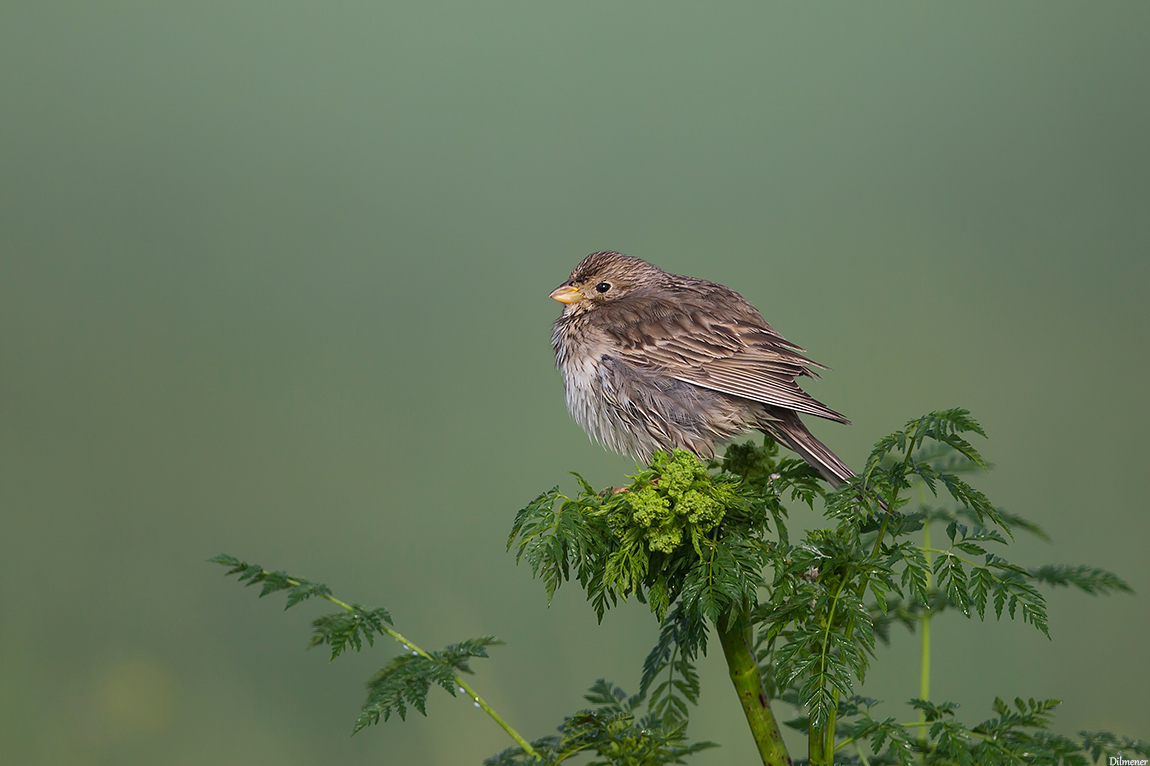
273 282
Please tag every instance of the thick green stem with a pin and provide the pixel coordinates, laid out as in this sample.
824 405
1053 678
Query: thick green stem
816 746
749 686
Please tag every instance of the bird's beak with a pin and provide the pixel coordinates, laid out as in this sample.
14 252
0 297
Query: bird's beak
567 294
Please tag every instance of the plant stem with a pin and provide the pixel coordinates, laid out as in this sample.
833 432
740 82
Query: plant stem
827 733
828 737
748 685
924 681
924 671
519 740
816 747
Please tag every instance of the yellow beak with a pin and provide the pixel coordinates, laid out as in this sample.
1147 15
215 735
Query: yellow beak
567 294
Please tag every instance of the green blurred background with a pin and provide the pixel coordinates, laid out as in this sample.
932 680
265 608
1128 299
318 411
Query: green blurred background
273 282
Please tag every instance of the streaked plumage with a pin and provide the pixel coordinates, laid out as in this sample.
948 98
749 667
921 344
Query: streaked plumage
662 361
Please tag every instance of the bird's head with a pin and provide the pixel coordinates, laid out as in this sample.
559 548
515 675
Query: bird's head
603 278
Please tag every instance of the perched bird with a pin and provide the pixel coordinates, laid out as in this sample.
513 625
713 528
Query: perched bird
658 361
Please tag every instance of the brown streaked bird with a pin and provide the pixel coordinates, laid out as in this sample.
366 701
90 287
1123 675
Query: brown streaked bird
658 361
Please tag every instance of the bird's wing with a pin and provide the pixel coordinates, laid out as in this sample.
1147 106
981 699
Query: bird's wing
716 341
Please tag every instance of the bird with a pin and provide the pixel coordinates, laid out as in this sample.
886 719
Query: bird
658 361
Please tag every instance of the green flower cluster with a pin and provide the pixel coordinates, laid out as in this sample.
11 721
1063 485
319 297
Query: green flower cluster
675 499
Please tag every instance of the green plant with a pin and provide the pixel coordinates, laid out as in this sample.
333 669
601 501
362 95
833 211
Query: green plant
706 547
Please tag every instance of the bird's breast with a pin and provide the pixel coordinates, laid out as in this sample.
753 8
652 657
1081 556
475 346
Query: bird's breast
580 351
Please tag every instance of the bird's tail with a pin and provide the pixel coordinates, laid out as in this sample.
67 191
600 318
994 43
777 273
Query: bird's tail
785 427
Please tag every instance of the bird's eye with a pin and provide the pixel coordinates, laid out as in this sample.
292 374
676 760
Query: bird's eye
602 287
